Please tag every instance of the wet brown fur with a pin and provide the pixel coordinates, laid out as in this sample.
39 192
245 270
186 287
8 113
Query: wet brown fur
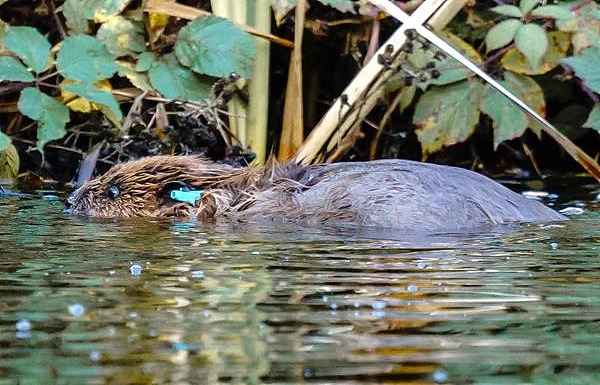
144 186
387 193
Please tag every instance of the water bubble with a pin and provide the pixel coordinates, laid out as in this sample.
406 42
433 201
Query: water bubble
76 310
23 335
23 325
308 373
572 211
333 306
198 274
440 376
412 288
554 245
112 272
378 313
325 298
536 195
421 265
95 355
135 269
379 304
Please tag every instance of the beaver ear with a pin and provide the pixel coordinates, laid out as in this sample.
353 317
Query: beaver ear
163 194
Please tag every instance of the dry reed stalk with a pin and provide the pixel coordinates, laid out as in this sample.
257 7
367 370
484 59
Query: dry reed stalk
292 131
361 95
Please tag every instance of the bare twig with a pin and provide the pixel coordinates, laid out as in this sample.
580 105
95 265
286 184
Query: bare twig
190 13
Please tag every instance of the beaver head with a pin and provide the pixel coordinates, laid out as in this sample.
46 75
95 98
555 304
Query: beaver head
143 187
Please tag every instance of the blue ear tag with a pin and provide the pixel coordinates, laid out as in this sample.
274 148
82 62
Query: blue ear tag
186 196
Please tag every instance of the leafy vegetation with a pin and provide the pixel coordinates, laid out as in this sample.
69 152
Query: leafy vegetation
142 82
526 39
81 71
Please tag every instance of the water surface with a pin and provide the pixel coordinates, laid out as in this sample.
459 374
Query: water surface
145 302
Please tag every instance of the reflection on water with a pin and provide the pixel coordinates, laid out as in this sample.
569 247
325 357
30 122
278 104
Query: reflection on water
142 302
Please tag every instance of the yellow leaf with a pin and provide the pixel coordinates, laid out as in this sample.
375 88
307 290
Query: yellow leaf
79 104
157 23
515 61
138 79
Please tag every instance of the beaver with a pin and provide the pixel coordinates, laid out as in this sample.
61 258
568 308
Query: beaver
398 194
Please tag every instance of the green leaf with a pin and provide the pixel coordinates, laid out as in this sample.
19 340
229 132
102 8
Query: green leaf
508 10
30 45
570 119
447 115
215 46
121 36
4 141
584 30
85 58
532 41
282 7
527 5
50 114
586 67
560 43
407 96
75 17
529 91
340 5
94 95
12 70
174 81
144 61
501 34
553 11
78 12
138 79
509 120
450 69
593 120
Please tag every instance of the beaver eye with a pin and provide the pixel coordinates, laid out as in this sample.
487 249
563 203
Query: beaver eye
113 192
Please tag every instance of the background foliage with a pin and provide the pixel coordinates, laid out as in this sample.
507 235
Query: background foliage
118 70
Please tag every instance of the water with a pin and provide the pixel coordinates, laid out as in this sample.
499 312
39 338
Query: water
143 302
